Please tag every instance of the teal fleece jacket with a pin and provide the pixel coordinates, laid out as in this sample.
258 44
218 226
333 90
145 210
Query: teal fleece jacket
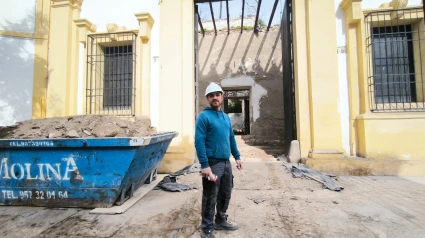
214 138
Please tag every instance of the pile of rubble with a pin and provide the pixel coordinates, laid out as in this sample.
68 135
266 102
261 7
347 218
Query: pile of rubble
87 126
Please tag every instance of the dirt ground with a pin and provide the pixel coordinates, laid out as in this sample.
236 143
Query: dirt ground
266 202
78 127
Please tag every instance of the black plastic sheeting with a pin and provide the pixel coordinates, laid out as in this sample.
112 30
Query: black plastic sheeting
169 183
301 170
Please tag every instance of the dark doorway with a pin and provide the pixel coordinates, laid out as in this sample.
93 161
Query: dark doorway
236 105
288 76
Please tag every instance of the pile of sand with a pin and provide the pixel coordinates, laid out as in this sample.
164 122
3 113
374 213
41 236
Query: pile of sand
87 126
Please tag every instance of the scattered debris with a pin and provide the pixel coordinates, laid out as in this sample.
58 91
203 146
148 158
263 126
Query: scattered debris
302 171
169 183
282 158
257 200
86 126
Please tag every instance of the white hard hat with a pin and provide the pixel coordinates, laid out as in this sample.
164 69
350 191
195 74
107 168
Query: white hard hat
213 87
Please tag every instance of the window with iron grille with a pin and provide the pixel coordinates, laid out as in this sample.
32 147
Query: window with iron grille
395 43
111 65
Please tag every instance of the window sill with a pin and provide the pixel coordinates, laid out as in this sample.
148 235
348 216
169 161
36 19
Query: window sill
391 115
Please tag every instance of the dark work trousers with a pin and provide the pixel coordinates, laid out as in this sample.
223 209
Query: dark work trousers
218 193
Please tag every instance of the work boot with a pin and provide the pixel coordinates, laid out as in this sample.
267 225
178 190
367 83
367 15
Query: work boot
207 234
224 224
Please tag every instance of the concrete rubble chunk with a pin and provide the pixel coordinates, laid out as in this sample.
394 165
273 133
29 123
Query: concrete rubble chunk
87 132
72 134
106 130
92 125
143 120
55 134
122 124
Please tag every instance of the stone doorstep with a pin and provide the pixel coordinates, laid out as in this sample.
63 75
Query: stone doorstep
362 167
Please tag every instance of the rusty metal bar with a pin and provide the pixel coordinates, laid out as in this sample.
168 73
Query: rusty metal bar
212 17
243 11
257 16
200 24
227 10
273 11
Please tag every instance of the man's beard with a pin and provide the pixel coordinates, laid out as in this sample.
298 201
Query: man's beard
212 104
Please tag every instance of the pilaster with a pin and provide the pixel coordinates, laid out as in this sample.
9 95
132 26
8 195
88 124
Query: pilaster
63 58
84 27
41 57
143 67
356 59
325 121
177 83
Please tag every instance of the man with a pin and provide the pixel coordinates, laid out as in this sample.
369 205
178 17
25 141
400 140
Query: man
214 141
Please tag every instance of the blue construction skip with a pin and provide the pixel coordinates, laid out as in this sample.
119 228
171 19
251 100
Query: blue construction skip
88 173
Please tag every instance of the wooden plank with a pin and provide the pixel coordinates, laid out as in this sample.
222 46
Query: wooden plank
138 194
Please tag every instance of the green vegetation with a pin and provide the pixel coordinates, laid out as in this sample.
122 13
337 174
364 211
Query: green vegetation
245 28
235 106
261 22
206 31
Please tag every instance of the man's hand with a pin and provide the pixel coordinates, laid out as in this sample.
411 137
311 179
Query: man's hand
206 172
239 164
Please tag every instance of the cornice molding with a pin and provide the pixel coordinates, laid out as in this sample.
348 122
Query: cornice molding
145 17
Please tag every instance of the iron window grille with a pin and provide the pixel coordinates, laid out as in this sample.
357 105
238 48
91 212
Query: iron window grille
233 94
111 71
395 42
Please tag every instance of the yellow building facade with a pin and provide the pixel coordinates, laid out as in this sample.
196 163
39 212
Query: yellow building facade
386 142
385 134
378 136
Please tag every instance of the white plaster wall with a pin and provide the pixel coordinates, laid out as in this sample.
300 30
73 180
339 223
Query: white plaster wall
257 92
222 23
366 4
237 120
344 106
16 79
102 12
17 15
